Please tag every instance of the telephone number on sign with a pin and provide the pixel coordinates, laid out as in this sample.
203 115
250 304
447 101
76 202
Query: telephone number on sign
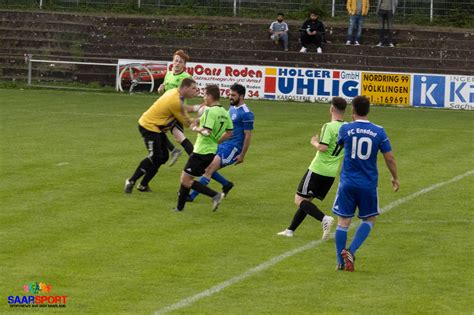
226 92
389 99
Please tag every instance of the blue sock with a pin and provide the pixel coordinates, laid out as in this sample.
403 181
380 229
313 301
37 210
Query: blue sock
341 239
203 180
361 234
220 179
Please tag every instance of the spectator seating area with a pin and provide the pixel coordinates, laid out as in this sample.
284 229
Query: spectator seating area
67 36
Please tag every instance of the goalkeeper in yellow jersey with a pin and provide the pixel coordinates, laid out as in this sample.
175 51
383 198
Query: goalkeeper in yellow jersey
153 125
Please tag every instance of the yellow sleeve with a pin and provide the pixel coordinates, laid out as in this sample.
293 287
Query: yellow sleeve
180 113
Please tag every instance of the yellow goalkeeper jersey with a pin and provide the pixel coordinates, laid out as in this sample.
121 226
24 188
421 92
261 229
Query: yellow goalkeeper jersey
162 115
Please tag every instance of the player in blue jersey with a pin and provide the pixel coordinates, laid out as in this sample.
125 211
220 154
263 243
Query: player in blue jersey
231 151
359 177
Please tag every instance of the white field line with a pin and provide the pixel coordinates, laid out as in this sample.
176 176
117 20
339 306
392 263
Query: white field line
275 260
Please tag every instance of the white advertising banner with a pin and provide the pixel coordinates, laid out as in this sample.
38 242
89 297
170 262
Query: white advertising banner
320 85
224 75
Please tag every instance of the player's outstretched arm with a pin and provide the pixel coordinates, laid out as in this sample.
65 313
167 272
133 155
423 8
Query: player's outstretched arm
392 167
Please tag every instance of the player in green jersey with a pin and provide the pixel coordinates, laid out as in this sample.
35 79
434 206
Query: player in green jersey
173 80
321 173
215 126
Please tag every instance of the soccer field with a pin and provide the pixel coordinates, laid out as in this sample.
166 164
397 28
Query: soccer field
65 220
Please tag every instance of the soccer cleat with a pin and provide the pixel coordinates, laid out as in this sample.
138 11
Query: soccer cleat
319 50
340 267
356 43
348 260
176 210
348 43
175 154
128 186
303 50
379 44
227 188
144 188
286 232
327 223
216 200
391 45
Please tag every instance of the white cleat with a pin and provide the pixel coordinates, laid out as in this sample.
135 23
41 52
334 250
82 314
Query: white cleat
287 233
175 154
303 50
327 223
319 50
216 201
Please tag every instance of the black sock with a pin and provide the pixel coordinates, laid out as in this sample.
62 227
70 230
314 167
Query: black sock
203 189
150 170
182 196
188 146
141 170
311 209
297 219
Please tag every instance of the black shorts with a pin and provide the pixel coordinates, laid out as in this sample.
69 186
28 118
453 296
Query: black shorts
155 143
313 185
197 164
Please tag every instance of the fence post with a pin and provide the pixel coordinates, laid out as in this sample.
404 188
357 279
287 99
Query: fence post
41 4
139 4
235 7
431 10
29 70
333 8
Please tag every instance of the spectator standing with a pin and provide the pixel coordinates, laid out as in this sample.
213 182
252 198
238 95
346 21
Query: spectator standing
279 31
357 9
385 13
312 31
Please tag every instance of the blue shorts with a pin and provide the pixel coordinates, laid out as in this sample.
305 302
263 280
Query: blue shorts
348 198
227 153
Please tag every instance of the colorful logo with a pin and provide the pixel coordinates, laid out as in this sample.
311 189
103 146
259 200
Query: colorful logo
306 84
38 295
429 90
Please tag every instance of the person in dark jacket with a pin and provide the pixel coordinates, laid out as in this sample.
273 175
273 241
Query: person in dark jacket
312 31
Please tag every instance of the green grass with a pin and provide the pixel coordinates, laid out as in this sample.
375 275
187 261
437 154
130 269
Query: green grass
64 219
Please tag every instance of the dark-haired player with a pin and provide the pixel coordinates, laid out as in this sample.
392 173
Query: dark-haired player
362 140
153 125
321 173
215 126
232 151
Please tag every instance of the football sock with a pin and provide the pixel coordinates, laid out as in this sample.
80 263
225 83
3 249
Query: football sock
183 194
220 179
188 146
203 180
203 189
150 172
360 236
341 239
311 209
144 167
297 219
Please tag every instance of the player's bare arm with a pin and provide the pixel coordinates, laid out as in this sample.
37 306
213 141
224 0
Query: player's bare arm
319 146
392 167
248 138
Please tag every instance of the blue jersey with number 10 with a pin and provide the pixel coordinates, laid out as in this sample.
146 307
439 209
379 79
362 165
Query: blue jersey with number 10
362 140
242 119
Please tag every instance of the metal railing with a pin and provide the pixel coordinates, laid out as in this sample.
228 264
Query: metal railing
406 8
